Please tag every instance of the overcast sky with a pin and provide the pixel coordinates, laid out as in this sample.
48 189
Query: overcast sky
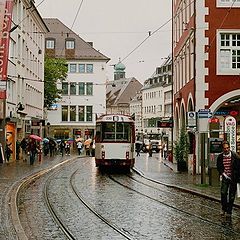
116 28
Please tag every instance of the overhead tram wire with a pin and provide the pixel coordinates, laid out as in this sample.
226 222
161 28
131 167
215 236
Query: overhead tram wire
220 26
151 33
75 18
17 25
77 14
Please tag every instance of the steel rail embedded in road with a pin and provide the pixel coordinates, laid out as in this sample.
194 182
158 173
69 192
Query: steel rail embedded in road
176 208
51 209
92 209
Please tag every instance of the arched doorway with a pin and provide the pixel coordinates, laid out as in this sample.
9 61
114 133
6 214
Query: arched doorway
225 109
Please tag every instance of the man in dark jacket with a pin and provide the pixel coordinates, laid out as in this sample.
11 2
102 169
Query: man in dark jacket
228 165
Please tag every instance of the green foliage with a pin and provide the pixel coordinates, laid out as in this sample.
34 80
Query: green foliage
181 148
55 69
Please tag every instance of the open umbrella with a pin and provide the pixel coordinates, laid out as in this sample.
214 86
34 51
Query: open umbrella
45 140
79 139
70 140
35 137
88 141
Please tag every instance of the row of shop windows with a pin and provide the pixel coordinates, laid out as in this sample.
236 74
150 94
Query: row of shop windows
77 113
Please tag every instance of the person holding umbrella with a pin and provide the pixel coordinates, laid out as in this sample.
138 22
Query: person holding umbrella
32 149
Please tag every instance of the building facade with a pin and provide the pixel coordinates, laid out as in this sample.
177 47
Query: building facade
84 90
121 91
25 74
136 112
206 47
157 103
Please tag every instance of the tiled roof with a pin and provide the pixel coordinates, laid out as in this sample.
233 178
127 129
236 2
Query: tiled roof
60 32
123 91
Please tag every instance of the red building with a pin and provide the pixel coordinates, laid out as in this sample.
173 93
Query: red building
206 71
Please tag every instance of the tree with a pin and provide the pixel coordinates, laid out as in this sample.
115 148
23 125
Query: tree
181 151
55 69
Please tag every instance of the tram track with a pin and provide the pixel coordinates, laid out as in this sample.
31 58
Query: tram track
86 200
53 212
192 215
87 204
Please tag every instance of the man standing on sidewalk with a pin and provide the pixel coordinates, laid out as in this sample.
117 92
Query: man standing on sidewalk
228 165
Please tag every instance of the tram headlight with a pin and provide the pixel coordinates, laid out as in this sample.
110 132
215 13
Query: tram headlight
103 154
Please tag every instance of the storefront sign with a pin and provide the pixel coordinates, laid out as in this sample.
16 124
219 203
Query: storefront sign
230 130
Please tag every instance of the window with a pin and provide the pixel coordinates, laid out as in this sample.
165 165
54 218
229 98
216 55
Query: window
228 53
72 88
72 113
72 68
123 131
81 68
81 89
70 44
89 68
64 113
81 113
89 113
89 88
228 3
50 44
64 88
167 109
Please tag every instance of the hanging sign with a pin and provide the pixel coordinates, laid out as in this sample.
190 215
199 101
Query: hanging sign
231 130
191 119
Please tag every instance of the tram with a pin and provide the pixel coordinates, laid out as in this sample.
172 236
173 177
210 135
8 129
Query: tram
115 141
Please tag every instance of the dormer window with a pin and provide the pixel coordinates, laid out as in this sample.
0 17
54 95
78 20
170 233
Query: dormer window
70 44
50 43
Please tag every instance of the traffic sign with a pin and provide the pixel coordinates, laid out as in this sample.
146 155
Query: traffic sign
204 110
204 114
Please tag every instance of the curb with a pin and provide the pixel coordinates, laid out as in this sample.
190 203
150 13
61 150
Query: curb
13 198
183 189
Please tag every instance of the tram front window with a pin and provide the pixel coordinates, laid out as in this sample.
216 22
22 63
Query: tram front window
116 132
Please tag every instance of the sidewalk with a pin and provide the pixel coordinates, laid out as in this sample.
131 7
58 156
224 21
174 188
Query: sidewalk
10 174
166 172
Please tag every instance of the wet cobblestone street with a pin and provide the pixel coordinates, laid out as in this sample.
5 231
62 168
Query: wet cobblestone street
141 208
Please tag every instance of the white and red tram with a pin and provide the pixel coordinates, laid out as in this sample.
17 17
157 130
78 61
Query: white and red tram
115 141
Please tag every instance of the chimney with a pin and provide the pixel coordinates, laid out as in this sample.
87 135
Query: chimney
91 43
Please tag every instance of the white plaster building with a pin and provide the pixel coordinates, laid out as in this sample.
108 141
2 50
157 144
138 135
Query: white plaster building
25 73
136 111
84 91
157 102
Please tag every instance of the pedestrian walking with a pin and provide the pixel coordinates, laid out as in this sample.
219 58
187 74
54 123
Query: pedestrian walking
32 150
150 149
24 145
79 147
67 148
165 151
62 147
138 148
52 147
18 148
87 149
8 151
228 166
92 148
